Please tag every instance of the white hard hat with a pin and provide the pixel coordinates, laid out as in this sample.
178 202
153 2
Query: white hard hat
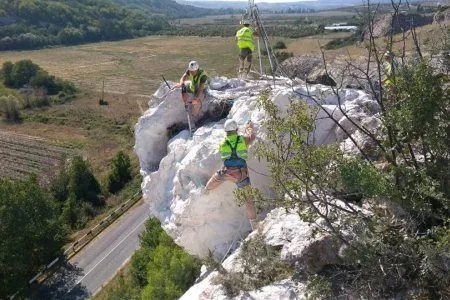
389 54
193 66
245 22
230 125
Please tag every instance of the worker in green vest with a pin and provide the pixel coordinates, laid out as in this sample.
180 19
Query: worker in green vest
233 151
245 38
390 68
193 84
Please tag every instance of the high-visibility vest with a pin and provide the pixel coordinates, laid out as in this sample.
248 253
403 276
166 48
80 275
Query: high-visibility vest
233 151
390 69
245 38
195 80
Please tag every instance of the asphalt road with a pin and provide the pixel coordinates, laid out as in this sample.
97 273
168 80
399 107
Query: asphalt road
98 262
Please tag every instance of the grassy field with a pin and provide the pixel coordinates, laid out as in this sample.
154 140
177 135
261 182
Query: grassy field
131 70
265 17
22 156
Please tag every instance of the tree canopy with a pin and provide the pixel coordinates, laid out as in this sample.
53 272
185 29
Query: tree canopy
29 24
31 233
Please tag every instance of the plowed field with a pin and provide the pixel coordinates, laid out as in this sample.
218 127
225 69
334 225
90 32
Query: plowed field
23 155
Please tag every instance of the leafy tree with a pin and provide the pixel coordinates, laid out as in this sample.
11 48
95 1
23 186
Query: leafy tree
120 173
9 109
42 23
82 182
7 71
27 72
22 72
78 192
171 271
160 269
43 79
30 232
152 237
394 249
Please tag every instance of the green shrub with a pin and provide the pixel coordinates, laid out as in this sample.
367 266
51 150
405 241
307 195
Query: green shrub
78 191
30 230
279 45
22 72
82 182
7 71
403 243
161 268
10 109
26 72
171 271
261 266
120 172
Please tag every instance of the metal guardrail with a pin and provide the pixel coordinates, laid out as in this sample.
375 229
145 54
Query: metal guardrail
82 242
94 231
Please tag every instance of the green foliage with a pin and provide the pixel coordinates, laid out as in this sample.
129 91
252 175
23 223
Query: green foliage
318 287
171 271
417 118
26 72
30 231
7 71
120 172
160 269
22 72
9 109
78 191
40 23
170 8
359 177
402 244
343 42
388 258
82 182
279 45
261 266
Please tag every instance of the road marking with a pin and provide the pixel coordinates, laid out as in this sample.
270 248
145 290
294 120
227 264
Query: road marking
78 282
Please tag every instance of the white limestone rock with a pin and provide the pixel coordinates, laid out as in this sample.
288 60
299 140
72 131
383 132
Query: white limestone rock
307 251
210 222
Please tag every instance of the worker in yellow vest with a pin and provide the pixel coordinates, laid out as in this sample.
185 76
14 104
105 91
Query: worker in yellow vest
245 38
390 68
193 94
233 151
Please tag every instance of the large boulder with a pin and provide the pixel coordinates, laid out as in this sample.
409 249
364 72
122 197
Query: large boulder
306 252
342 71
176 169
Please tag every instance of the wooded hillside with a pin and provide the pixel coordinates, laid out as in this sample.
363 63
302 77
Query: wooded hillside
28 24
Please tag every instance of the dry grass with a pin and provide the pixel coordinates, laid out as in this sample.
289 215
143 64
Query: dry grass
234 19
124 274
133 66
132 71
311 45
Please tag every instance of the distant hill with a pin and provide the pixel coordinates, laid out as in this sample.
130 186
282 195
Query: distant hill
28 24
280 6
171 9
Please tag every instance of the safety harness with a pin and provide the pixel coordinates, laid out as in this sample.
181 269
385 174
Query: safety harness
234 160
